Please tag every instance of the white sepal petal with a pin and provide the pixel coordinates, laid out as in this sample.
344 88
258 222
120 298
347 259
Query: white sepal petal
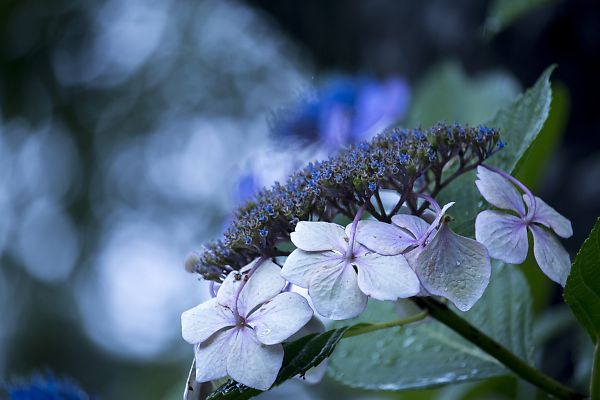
415 225
263 285
386 239
319 236
300 265
335 292
279 318
211 356
200 322
386 277
252 363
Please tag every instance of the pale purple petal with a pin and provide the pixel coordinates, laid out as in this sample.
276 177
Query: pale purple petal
252 363
319 236
550 218
415 225
280 318
211 356
263 285
504 235
200 322
550 255
383 238
335 293
300 265
386 277
455 267
227 289
498 191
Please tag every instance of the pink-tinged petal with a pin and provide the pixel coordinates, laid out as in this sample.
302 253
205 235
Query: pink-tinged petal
335 293
504 235
300 265
550 255
252 363
455 267
211 356
415 225
383 238
200 322
550 218
386 277
280 318
263 285
319 236
498 191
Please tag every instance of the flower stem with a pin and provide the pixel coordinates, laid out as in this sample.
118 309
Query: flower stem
366 328
595 379
521 368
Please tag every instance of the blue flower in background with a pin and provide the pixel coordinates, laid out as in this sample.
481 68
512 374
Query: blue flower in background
343 111
46 386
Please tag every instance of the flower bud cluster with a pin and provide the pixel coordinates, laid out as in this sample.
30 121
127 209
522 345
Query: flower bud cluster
395 159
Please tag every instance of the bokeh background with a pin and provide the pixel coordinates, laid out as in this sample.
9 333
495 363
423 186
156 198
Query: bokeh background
130 129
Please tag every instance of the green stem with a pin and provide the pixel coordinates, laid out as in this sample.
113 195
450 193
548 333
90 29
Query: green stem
521 368
595 379
362 329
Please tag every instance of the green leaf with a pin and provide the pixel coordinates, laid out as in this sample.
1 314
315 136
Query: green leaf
448 94
504 12
530 167
582 292
429 354
519 124
300 355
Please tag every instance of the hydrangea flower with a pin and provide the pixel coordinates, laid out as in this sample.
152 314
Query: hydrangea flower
340 274
447 264
239 332
343 111
46 386
504 232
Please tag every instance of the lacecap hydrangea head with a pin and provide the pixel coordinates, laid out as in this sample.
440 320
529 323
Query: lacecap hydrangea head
398 159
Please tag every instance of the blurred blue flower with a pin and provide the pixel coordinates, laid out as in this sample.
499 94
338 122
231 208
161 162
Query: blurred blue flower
343 111
46 386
